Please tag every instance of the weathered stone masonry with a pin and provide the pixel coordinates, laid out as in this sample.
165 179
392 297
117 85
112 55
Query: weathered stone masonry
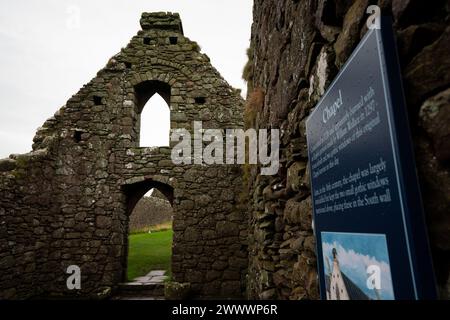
68 201
297 48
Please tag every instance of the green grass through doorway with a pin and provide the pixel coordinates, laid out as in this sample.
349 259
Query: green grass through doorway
149 251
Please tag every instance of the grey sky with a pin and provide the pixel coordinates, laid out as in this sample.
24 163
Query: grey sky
45 58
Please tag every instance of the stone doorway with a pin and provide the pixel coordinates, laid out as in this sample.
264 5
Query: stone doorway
150 237
135 194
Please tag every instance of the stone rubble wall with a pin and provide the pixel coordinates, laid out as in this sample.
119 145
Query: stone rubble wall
297 48
68 201
150 211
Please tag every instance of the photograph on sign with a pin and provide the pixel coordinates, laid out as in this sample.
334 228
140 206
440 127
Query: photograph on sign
356 266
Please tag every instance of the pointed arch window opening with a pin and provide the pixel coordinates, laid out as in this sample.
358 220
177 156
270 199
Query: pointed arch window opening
153 107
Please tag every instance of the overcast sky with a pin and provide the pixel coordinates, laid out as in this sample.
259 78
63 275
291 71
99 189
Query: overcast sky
46 55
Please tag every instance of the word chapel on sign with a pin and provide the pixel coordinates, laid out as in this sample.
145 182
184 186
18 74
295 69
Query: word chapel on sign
235 146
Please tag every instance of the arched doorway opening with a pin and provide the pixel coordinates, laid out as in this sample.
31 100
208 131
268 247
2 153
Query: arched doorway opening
153 109
148 238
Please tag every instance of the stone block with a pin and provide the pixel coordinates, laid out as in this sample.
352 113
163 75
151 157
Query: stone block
434 118
177 291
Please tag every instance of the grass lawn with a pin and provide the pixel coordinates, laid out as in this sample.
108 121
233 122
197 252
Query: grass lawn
149 251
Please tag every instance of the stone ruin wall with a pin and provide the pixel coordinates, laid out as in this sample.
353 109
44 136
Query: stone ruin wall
67 202
160 208
297 48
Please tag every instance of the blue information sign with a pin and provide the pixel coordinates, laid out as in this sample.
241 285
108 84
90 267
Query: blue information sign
368 217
